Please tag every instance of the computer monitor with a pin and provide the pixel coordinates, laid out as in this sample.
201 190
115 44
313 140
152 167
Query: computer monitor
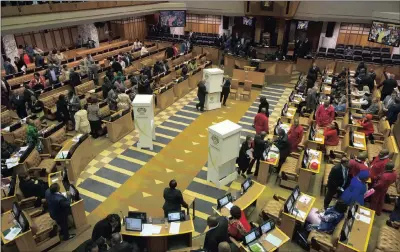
246 184
251 236
352 211
344 234
224 200
138 215
267 226
74 193
133 224
296 192
291 97
16 210
289 204
285 109
176 216
23 222
305 159
278 125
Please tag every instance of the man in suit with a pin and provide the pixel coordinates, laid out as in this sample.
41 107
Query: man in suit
226 89
282 143
32 188
217 233
259 147
59 209
74 78
337 180
173 198
201 94
388 86
313 72
116 67
106 227
118 245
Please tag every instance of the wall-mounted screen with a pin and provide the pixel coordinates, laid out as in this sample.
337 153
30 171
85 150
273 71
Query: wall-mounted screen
173 18
302 25
248 21
385 33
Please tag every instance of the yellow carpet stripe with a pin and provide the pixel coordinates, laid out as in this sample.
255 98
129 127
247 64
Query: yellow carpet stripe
246 123
87 213
248 117
120 170
204 168
169 128
133 160
159 144
186 117
201 196
251 112
180 123
105 181
208 183
162 135
192 106
199 214
191 112
250 131
91 194
143 151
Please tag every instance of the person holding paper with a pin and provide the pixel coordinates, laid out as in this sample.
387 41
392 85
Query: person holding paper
331 135
238 225
325 114
381 186
295 135
357 188
337 180
358 164
173 199
217 233
328 220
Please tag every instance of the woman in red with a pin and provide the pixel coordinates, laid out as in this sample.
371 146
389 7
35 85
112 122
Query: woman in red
331 134
26 58
295 135
381 186
367 125
238 225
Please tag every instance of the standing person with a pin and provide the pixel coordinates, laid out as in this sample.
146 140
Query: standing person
112 97
144 50
176 52
356 190
116 67
136 45
217 233
261 122
28 93
337 181
20 64
378 164
226 89
5 93
282 143
59 209
106 227
295 135
173 199
74 78
263 104
381 186
8 67
393 111
64 76
259 147
106 87
245 155
32 135
62 113
82 124
31 187
94 118
169 52
52 74
325 114
313 72
388 86
123 101
358 164
19 104
38 82
37 107
74 104
389 101
201 95
311 99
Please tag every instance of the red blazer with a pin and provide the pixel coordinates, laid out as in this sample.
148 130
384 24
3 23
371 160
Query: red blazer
368 127
383 183
233 227
355 166
377 167
295 135
324 117
331 137
261 123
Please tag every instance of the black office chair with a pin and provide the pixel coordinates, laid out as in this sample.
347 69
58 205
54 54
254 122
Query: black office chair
376 54
396 59
63 49
367 58
330 53
357 53
29 71
347 46
387 61
357 58
376 59
339 56
339 46
375 49
385 50
366 53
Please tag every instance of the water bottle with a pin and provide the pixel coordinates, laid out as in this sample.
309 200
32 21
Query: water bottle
150 219
123 219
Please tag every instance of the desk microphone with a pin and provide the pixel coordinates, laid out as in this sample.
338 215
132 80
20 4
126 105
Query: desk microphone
123 219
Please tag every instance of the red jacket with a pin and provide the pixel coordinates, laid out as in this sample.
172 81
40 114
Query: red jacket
261 123
377 166
26 59
295 135
381 186
331 137
368 127
324 117
235 231
355 166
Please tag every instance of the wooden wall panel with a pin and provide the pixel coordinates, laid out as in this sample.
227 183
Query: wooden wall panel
28 39
66 36
57 37
49 41
131 29
203 23
38 40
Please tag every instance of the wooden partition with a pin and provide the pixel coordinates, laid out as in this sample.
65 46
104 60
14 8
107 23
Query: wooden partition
203 23
329 64
132 28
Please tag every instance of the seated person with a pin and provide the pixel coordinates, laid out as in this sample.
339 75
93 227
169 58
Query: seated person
348 51
144 50
184 72
217 233
328 220
325 114
394 218
238 225
357 92
393 111
341 105
302 85
32 188
106 227
389 101
373 108
357 189
331 134
7 149
227 247
192 65
38 82
119 245
367 125
92 246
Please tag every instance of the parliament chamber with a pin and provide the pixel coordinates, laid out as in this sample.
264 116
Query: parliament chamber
200 126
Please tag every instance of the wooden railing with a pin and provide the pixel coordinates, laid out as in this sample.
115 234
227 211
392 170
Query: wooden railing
10 11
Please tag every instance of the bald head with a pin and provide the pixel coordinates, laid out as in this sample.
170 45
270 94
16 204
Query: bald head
389 166
383 153
224 247
296 121
212 221
362 156
344 161
115 239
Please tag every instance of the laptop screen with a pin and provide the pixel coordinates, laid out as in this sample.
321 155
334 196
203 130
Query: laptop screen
266 227
296 193
223 201
246 185
250 237
175 216
133 224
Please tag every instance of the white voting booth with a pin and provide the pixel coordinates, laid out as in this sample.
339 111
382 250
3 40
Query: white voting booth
144 120
223 149
213 78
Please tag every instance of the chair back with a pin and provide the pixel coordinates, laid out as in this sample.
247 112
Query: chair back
345 141
234 84
247 85
391 145
384 128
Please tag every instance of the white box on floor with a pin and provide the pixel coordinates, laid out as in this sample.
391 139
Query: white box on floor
223 149
144 120
213 78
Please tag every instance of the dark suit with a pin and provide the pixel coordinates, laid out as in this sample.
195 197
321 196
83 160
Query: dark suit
264 104
116 67
388 86
201 94
216 235
226 89
259 147
34 188
123 247
103 229
282 143
173 200
59 209
313 73
74 79
335 180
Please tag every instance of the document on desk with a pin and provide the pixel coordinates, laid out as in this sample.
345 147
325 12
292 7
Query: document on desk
174 227
147 229
358 145
363 218
364 212
14 231
273 240
229 205
156 229
304 199
318 139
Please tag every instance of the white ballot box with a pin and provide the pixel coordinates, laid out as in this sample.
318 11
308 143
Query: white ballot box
213 78
223 149
144 120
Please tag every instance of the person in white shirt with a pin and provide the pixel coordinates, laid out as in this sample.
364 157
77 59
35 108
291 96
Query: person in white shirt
121 62
136 44
143 51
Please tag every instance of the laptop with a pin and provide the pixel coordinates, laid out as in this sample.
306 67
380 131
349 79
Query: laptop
133 224
224 200
246 184
176 216
267 226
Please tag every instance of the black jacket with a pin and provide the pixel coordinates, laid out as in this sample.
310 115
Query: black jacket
226 87
33 188
116 67
388 86
202 90
74 79
104 229
173 200
169 52
259 148
264 104
122 247
58 205
243 159
62 113
216 235
313 73
282 143
336 178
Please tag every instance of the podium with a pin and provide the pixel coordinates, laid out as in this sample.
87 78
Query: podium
223 149
144 120
213 78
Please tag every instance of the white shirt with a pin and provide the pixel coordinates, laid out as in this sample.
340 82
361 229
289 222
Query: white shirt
143 51
122 63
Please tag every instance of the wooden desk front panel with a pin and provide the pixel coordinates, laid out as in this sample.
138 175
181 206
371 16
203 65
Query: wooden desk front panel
181 89
185 227
329 64
120 127
302 65
197 50
212 54
194 79
284 68
165 99
229 64
352 66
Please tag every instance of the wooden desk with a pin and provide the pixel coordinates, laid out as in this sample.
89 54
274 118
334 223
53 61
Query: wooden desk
81 157
165 99
194 79
244 201
263 173
359 144
305 174
160 242
289 220
318 140
359 235
191 201
257 78
181 89
121 127
267 245
303 65
288 117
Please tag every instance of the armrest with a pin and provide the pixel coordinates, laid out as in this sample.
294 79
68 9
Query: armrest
36 213
19 141
234 241
45 155
33 169
69 134
56 145
27 202
15 117
290 176
44 231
